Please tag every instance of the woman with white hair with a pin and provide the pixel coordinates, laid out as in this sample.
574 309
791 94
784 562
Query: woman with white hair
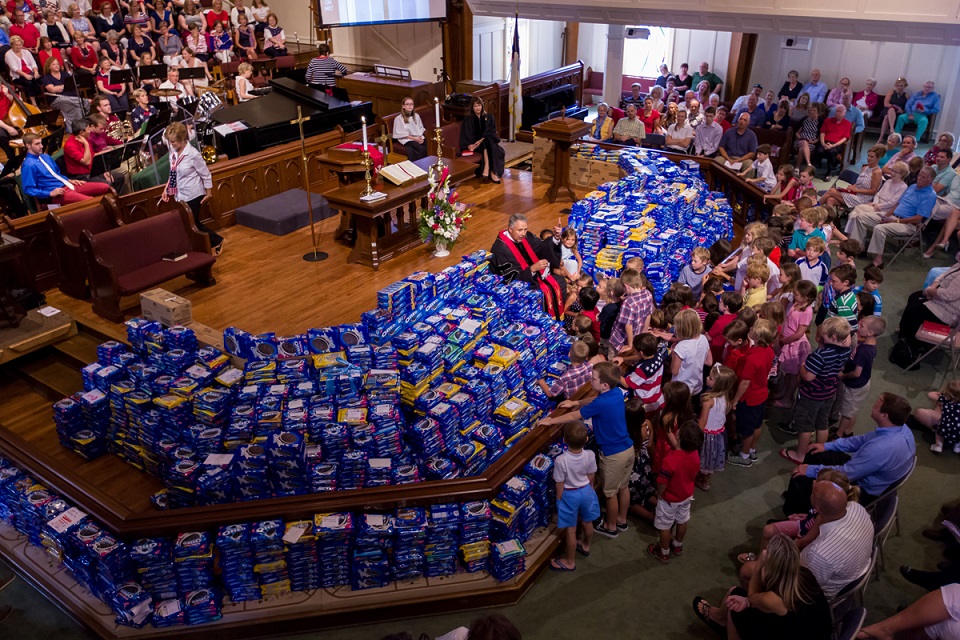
944 141
657 94
867 100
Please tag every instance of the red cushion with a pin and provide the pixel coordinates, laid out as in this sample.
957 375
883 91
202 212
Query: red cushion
159 272
134 246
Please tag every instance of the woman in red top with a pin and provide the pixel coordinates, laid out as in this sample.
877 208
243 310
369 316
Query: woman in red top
217 14
6 131
46 51
84 56
649 116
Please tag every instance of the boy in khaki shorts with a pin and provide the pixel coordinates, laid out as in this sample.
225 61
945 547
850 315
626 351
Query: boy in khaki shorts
616 448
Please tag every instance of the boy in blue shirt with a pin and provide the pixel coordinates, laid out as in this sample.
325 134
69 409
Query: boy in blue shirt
808 226
872 279
616 448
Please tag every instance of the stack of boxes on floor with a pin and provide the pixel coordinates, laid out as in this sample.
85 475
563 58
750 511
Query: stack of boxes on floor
659 212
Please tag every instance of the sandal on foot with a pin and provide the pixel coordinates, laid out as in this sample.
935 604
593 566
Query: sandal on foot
749 556
702 608
557 565
785 454
582 551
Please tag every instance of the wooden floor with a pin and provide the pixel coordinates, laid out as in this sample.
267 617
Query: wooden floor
264 285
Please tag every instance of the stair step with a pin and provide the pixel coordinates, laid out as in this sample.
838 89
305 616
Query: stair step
52 376
80 350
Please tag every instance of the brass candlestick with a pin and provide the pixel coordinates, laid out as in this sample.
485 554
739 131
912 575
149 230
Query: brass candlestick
367 163
438 136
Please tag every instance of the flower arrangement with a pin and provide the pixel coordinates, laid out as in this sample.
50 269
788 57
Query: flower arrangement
441 221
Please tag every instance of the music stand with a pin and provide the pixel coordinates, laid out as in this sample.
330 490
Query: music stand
54 141
153 72
259 66
12 164
188 106
107 161
191 73
46 119
121 76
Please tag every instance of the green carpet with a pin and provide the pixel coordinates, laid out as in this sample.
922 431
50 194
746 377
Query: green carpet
619 591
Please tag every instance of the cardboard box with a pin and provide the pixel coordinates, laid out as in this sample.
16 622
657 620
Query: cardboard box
167 308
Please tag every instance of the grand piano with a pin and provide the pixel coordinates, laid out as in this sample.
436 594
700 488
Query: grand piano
268 117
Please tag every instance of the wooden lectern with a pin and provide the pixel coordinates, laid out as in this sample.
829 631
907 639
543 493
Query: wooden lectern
564 132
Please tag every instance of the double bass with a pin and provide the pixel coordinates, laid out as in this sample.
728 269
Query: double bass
20 110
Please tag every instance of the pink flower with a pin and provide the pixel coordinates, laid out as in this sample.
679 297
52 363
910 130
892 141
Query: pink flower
458 221
435 226
453 197
444 174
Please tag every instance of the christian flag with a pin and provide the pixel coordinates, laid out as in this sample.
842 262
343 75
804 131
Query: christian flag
516 90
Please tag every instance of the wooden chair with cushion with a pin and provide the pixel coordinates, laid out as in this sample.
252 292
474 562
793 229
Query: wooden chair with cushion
65 231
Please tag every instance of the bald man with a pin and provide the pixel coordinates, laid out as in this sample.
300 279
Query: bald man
841 552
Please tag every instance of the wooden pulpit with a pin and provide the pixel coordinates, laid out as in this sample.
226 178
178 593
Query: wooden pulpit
564 132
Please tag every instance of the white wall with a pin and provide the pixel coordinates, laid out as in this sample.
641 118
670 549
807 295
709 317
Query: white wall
417 46
694 47
592 45
540 47
859 60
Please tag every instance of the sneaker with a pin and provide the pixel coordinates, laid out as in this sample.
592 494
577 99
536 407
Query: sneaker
936 447
787 428
623 526
675 550
609 533
740 461
753 456
654 550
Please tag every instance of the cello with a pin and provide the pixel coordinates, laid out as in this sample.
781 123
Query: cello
19 110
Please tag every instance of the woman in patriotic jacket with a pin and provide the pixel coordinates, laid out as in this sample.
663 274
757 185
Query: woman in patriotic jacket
520 255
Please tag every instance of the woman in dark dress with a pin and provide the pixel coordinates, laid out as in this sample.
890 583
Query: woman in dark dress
783 600
478 134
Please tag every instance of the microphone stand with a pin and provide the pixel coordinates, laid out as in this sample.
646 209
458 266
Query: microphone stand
76 90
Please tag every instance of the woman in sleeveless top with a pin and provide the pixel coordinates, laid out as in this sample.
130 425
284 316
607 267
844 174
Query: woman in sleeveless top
893 105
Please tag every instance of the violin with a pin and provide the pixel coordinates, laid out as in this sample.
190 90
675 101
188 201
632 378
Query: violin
19 110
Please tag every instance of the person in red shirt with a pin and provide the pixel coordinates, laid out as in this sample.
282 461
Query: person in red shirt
6 131
736 336
83 56
730 304
675 484
215 15
834 133
751 397
26 30
722 118
588 300
78 155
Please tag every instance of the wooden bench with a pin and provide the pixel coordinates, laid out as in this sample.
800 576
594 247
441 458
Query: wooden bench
129 259
65 231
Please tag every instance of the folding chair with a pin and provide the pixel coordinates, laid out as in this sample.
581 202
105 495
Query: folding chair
849 626
852 595
848 176
884 516
916 235
654 141
892 489
940 336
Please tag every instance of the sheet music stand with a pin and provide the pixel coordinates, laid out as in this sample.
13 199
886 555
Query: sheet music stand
54 141
259 66
107 160
12 164
121 76
190 73
153 72
47 119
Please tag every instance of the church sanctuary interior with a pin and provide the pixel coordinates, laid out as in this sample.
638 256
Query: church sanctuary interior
479 319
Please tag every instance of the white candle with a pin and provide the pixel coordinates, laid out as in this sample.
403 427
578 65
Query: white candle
436 106
364 120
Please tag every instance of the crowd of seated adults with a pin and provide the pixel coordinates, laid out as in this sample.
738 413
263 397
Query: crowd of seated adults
826 122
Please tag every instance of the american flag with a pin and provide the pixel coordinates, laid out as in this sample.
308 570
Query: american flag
516 89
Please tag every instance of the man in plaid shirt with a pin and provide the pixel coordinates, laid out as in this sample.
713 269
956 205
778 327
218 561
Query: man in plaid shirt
634 310
575 376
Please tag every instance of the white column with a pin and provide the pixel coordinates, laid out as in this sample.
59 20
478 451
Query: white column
613 74
949 117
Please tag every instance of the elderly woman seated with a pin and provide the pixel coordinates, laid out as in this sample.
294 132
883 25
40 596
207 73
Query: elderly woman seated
602 128
905 154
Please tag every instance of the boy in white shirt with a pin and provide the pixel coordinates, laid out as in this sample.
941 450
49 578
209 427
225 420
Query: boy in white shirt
766 178
574 471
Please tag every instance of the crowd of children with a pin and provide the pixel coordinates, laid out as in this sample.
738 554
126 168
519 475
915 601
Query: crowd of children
776 329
